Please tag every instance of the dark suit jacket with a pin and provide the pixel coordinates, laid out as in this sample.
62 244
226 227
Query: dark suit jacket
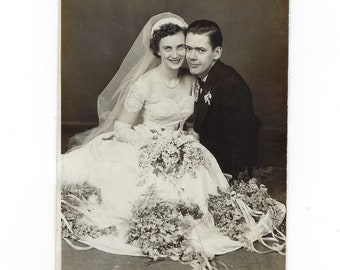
228 127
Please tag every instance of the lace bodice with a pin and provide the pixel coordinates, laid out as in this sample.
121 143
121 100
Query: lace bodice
158 112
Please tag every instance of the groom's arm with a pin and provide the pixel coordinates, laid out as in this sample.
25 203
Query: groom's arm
240 123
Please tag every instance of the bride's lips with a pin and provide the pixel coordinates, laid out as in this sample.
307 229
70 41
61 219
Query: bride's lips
175 61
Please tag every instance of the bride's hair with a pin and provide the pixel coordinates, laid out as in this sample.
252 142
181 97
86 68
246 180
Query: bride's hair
168 29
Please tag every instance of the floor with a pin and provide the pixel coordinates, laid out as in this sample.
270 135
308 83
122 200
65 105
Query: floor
272 152
97 260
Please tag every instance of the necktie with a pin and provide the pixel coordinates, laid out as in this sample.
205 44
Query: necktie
199 85
201 82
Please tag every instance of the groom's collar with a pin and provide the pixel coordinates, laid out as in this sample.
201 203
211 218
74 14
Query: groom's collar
205 78
212 75
210 71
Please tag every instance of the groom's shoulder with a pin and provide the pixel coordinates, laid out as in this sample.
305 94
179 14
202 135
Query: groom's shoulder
226 69
228 73
228 80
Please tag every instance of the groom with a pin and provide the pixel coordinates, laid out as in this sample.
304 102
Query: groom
224 116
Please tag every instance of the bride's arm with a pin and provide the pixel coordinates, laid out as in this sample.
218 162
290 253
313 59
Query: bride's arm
133 105
128 117
123 131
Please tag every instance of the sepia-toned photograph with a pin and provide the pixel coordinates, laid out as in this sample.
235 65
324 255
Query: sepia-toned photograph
173 135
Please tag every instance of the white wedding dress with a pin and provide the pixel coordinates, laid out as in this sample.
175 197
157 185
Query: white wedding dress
114 168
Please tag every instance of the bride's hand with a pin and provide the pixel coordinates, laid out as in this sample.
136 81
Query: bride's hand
123 132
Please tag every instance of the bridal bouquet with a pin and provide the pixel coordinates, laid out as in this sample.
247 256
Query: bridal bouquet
171 155
162 228
256 197
230 218
75 200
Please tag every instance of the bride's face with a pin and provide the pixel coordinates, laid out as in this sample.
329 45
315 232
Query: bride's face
172 50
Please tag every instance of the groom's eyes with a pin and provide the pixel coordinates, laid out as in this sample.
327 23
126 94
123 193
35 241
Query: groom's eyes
198 49
188 49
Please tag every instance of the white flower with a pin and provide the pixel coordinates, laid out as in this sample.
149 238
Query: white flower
207 98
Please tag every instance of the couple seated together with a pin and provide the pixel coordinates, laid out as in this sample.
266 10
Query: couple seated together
152 179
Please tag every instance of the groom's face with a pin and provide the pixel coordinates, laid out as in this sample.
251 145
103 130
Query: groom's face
199 54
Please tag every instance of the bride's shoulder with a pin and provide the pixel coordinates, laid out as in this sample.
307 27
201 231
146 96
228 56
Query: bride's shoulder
147 78
143 82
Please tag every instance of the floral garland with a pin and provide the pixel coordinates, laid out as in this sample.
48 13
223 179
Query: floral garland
172 156
227 214
73 197
162 228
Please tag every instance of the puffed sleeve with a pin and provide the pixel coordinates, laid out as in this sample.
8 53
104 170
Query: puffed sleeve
136 97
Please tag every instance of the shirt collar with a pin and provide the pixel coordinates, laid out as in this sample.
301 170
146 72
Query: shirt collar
205 78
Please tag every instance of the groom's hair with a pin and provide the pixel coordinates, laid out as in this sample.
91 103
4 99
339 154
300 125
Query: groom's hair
209 28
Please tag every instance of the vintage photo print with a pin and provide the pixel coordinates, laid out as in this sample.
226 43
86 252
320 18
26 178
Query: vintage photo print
173 152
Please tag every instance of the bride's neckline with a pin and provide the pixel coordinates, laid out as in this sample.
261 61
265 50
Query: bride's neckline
165 83
176 100
174 85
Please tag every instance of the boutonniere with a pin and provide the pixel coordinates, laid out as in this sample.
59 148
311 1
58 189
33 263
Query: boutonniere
207 98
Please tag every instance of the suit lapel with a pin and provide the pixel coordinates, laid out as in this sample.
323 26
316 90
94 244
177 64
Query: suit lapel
202 106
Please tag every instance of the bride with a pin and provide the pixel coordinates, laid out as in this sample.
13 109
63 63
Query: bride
141 184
